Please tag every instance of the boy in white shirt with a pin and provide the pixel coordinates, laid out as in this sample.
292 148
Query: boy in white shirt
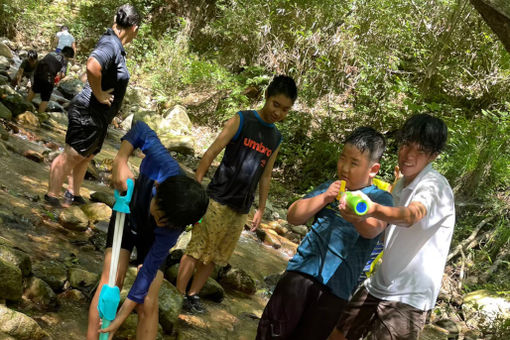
393 303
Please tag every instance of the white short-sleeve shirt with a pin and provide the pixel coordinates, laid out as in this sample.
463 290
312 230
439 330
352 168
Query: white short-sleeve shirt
414 257
64 39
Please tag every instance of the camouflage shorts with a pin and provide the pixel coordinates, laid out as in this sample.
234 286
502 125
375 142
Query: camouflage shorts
215 239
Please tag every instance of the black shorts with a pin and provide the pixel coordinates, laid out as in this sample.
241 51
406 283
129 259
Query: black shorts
142 240
300 308
85 133
43 86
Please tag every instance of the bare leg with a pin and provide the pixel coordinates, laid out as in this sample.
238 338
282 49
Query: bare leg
200 278
148 311
336 335
60 168
186 268
78 174
93 325
42 106
30 95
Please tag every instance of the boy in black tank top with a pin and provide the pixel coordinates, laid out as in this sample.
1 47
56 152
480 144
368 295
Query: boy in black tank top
251 143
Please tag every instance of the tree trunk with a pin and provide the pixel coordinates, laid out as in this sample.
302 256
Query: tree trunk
496 14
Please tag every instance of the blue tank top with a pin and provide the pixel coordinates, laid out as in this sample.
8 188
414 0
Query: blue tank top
246 155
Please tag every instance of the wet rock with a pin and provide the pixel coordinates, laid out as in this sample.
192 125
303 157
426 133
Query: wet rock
4 135
11 285
70 87
27 118
104 197
98 239
19 325
127 122
71 296
4 63
52 272
3 150
59 117
238 279
272 280
92 171
128 329
82 279
39 292
16 257
281 230
14 101
97 211
74 218
170 304
299 229
483 307
34 156
4 79
5 113
211 290
5 51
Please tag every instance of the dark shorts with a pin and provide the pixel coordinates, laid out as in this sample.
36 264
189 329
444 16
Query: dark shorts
142 240
43 86
300 308
85 133
376 319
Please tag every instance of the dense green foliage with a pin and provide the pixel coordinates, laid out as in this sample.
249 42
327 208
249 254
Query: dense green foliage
356 62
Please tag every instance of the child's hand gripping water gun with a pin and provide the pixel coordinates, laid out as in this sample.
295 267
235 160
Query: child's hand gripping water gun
355 201
109 297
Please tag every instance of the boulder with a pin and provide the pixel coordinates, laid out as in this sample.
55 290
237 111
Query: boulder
70 87
238 279
97 211
74 218
14 101
127 122
11 284
19 325
176 121
4 336
5 51
4 63
52 272
211 290
28 119
104 197
80 278
16 257
39 292
178 249
299 229
34 156
170 304
127 331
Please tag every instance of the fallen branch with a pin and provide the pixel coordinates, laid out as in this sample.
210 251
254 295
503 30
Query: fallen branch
468 240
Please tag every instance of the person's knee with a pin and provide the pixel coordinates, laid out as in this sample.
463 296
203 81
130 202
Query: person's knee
148 308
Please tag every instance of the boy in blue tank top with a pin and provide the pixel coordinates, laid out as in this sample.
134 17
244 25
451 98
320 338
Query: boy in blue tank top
310 295
251 142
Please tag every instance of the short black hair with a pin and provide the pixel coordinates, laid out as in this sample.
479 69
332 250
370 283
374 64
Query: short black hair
32 54
182 200
64 28
68 52
282 85
366 138
429 132
127 16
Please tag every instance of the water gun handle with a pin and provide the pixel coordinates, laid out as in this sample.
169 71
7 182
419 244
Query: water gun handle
122 202
105 324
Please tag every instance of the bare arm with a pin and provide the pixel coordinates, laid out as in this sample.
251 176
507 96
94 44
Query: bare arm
219 144
94 77
74 48
120 169
305 208
264 182
401 216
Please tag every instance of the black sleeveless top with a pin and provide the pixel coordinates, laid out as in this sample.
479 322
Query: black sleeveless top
246 155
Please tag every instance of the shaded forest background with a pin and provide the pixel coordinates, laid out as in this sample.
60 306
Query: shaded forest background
358 62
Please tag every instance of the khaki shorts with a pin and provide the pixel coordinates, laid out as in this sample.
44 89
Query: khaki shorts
371 318
215 239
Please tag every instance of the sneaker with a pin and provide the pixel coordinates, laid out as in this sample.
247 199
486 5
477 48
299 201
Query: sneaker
192 304
78 200
53 201
68 199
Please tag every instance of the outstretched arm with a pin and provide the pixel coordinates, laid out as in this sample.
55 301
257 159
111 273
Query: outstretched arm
305 208
225 136
120 169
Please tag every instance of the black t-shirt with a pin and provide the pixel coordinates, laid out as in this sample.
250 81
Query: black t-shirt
49 66
110 54
246 155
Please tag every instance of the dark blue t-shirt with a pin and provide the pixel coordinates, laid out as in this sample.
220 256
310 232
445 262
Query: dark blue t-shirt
157 165
110 54
246 155
333 252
